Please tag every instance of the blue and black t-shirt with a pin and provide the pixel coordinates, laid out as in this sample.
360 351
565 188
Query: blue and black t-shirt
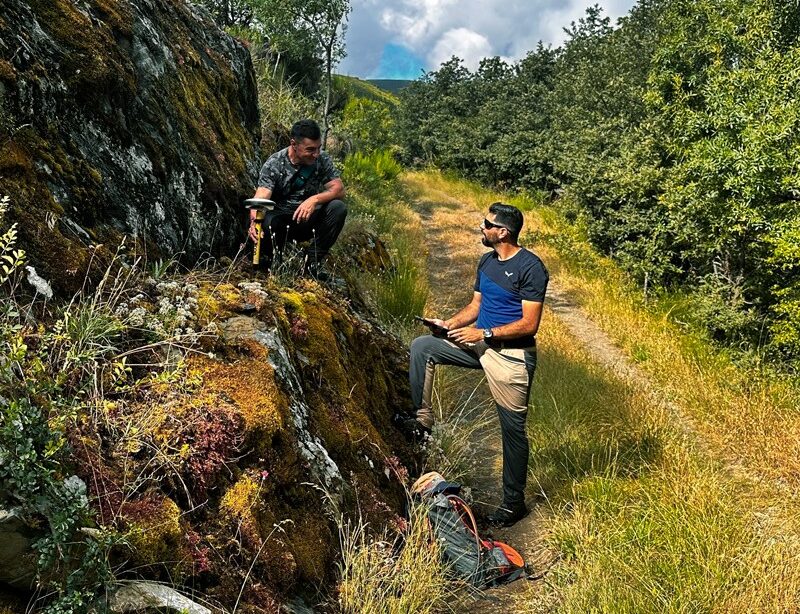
504 284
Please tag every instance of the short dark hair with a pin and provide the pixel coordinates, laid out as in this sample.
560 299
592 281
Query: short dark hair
508 216
305 129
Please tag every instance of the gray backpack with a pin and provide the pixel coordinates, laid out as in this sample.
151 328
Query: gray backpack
481 562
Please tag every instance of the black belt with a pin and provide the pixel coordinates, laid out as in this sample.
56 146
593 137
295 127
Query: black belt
512 344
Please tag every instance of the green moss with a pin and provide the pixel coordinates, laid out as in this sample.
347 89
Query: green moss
216 301
250 383
293 303
311 542
322 348
90 63
155 532
200 98
240 499
239 508
118 15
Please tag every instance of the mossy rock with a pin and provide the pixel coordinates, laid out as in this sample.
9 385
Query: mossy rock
92 155
249 382
155 534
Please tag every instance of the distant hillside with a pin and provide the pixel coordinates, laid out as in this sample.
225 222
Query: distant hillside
365 89
390 85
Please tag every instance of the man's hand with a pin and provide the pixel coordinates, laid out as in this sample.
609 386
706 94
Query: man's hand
303 213
252 233
468 334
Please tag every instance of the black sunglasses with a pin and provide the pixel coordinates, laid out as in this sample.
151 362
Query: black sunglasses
487 225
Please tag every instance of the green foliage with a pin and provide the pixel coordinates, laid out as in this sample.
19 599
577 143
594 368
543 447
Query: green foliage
672 139
785 261
403 290
358 88
373 172
32 455
367 125
373 175
300 26
487 125
11 259
36 404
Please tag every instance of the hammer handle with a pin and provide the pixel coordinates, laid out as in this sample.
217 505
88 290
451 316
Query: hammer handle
257 249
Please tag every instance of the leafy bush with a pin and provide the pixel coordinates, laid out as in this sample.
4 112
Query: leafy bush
373 172
367 125
36 405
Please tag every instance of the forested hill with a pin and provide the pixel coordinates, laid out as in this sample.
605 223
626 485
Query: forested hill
674 139
395 86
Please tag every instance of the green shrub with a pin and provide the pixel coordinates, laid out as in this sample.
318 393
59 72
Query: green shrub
36 404
372 172
367 125
402 291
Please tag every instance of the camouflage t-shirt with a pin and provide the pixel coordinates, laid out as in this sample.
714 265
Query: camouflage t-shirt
291 184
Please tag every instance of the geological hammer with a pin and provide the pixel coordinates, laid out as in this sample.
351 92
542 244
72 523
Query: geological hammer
261 206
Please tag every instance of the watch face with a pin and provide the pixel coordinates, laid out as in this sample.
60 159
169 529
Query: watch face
487 333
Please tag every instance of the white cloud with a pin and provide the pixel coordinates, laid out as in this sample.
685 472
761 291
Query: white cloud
415 22
471 29
463 43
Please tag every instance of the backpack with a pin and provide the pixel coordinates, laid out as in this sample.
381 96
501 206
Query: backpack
481 562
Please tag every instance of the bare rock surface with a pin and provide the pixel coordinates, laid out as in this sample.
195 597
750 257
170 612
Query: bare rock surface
134 117
144 596
17 564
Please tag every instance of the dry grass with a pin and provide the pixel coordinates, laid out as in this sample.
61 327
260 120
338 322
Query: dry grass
392 575
747 416
673 491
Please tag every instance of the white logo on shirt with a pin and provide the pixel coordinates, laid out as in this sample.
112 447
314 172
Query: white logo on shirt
508 274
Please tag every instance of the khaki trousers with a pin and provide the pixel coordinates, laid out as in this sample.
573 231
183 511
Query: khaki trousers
509 373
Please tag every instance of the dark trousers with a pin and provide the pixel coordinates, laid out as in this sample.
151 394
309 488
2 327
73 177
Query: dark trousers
322 229
510 374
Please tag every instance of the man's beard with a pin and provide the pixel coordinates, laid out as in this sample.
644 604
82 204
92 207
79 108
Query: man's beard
486 241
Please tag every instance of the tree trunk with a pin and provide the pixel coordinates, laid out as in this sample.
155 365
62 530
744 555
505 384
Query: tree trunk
328 70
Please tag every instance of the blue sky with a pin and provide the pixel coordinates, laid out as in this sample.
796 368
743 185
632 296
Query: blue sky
399 39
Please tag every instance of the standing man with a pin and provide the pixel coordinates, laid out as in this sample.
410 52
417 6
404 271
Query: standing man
307 191
506 309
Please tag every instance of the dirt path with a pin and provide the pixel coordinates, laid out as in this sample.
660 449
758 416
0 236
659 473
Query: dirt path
452 227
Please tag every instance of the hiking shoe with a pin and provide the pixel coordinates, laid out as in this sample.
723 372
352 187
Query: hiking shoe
507 515
413 428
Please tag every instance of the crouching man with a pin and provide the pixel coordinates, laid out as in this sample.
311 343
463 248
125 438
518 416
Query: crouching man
307 190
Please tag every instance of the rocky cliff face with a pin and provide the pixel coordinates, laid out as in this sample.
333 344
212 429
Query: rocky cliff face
117 117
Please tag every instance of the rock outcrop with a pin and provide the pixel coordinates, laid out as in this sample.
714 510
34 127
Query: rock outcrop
17 562
230 470
122 117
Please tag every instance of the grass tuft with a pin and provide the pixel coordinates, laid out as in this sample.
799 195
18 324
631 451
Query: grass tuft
385 575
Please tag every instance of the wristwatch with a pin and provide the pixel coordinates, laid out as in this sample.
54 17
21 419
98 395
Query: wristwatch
487 334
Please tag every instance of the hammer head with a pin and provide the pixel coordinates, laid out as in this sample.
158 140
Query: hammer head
260 204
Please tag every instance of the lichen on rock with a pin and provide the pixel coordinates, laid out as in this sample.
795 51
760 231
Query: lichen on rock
134 117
